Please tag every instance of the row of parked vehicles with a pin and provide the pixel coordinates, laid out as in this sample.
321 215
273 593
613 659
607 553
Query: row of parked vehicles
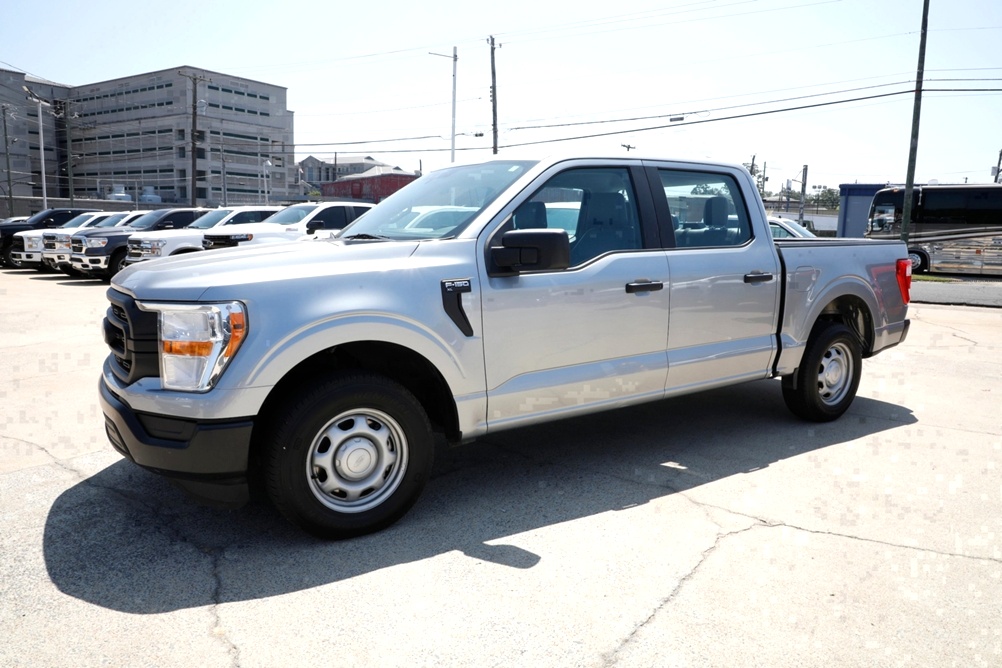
101 243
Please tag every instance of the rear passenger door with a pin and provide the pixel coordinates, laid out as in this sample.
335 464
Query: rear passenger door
725 278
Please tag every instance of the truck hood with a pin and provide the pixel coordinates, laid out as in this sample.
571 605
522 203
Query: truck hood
227 273
105 232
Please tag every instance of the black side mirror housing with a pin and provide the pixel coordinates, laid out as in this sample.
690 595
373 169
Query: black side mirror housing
531 250
313 226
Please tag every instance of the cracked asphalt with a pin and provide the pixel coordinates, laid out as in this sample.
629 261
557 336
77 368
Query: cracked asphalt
711 530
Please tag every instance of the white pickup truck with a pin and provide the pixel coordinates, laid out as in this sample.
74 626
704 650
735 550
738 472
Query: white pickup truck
164 243
561 287
289 224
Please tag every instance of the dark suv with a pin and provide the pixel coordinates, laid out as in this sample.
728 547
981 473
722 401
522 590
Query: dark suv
43 219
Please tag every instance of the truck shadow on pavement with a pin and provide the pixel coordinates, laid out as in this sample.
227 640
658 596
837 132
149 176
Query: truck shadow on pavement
127 540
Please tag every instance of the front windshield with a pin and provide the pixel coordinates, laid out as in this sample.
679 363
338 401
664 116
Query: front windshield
290 215
882 217
112 220
210 219
438 204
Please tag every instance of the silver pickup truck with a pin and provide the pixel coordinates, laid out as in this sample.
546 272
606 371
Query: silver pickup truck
478 298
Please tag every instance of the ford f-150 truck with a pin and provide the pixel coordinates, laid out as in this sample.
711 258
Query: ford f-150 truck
321 369
289 224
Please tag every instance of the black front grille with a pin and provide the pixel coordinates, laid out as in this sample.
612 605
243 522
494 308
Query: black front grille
49 241
210 242
17 243
77 245
132 336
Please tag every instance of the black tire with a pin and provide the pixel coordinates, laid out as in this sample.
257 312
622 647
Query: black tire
920 263
348 456
117 262
824 385
8 258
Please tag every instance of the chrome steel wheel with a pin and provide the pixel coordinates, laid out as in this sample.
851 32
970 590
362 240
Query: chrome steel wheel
825 384
919 263
835 374
357 460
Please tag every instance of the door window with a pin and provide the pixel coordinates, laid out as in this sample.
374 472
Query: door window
597 207
707 209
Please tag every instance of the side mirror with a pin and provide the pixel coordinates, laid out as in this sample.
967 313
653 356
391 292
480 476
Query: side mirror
313 226
531 250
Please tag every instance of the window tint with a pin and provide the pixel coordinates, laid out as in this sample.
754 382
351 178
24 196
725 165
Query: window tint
596 207
248 217
944 207
707 209
333 218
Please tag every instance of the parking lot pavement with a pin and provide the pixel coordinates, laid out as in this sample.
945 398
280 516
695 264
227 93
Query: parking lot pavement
711 530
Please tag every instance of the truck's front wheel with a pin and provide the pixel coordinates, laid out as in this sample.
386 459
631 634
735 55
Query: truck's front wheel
349 456
8 257
824 386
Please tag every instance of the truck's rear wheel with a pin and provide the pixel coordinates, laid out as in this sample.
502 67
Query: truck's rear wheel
348 456
825 384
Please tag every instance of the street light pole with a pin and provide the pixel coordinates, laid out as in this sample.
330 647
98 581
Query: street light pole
455 59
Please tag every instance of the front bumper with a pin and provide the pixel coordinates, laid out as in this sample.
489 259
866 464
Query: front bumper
56 260
208 459
27 257
82 262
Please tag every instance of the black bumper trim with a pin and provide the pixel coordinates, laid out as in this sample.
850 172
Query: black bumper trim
209 461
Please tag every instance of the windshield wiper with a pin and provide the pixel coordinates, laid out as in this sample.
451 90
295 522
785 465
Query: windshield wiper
366 236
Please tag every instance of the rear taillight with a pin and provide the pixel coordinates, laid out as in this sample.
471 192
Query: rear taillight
904 274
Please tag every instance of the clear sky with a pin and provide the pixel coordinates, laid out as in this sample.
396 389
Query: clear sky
361 79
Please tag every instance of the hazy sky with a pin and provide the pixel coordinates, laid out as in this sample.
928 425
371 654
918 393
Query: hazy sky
361 80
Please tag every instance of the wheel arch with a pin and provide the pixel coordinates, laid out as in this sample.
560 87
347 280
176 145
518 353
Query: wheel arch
854 313
851 303
398 363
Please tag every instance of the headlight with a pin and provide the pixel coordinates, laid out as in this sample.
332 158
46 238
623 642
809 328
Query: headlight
96 243
62 241
153 246
197 342
241 237
32 243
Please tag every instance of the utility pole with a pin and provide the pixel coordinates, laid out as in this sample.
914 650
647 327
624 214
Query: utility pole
803 195
67 118
194 78
761 190
906 213
41 140
494 94
6 152
222 156
998 165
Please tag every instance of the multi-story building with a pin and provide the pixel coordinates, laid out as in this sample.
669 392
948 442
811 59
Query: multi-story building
185 135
